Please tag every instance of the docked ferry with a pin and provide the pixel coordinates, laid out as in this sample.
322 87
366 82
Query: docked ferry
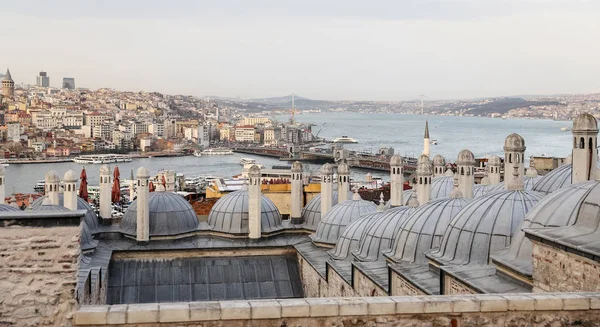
101 159
217 152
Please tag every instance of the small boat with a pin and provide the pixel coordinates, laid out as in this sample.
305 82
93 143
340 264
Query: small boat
197 153
345 139
217 152
40 186
247 161
434 142
565 129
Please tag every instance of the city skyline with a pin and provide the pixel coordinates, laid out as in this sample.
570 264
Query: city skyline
385 51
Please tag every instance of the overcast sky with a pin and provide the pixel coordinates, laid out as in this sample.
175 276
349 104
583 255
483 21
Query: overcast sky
350 49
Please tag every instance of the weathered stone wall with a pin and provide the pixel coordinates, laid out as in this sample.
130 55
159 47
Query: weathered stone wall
282 201
402 287
314 285
38 275
337 286
363 286
555 270
453 286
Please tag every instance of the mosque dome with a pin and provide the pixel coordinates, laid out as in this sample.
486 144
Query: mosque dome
50 207
311 213
531 178
494 160
484 226
514 143
439 161
585 122
441 187
424 230
554 180
380 232
558 209
343 169
230 214
91 219
481 190
348 241
170 214
335 221
6 207
396 160
465 158
86 241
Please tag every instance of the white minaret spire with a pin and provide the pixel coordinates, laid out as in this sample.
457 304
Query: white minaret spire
343 173
70 193
396 180
424 175
426 143
585 148
254 202
514 166
297 193
52 185
466 169
105 192
143 206
2 184
493 168
326 189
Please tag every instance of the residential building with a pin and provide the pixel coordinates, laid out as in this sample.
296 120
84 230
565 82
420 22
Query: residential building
244 134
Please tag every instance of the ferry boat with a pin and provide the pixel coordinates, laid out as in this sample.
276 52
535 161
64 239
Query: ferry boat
434 142
217 152
345 139
101 158
565 129
4 162
247 161
40 186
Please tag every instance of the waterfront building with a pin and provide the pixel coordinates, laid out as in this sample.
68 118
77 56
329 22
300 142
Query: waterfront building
43 80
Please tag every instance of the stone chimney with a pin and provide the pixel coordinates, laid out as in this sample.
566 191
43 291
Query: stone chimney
52 186
439 166
70 193
254 202
143 206
297 193
396 180
326 189
424 176
514 166
465 164
494 166
585 148
343 173
105 192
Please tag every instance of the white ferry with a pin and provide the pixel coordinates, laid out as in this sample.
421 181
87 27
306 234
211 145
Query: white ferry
247 161
40 186
217 152
101 159
4 162
345 139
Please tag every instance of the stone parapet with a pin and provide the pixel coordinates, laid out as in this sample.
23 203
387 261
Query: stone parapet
498 310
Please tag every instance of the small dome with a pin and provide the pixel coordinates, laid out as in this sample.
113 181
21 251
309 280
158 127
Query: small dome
424 230
441 187
424 167
335 221
514 143
554 180
52 177
585 122
170 214
104 170
558 209
465 158
439 161
6 207
529 182
350 237
311 213
494 161
379 234
50 207
86 240
343 169
142 173
230 214
91 219
483 227
70 176
326 169
396 160
481 189
297 167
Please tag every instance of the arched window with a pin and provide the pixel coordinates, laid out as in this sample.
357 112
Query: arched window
518 158
462 170
591 144
582 143
510 158
420 180
575 143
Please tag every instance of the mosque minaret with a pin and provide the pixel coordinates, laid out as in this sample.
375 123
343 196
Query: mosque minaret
424 175
426 143
396 180
296 193
254 202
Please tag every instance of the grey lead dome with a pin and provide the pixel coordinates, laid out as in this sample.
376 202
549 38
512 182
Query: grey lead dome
311 213
348 241
554 180
335 221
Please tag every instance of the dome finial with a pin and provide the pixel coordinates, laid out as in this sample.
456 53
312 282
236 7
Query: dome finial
356 196
413 202
381 206
455 194
532 172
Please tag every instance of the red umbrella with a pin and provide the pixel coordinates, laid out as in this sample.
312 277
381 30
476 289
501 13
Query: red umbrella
151 187
116 187
83 193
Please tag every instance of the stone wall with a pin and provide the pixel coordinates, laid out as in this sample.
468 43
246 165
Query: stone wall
363 286
337 286
400 286
453 286
558 270
38 268
312 282
559 309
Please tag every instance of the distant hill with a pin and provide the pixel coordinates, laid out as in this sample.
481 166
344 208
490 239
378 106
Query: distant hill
504 105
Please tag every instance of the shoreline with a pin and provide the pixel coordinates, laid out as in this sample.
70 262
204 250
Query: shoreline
69 159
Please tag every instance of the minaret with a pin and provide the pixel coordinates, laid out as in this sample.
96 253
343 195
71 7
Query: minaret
143 206
52 185
439 166
105 192
514 167
493 168
326 189
70 192
426 143
396 180
585 148
3 185
297 192
424 175
254 203
8 85
343 174
465 164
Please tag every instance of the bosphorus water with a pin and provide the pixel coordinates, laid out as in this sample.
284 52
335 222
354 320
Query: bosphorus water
483 136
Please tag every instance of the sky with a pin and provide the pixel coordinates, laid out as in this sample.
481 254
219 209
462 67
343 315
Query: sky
335 50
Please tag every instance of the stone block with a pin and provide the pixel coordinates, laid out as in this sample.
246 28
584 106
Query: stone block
323 307
294 308
141 313
265 309
490 303
200 311
466 304
594 301
353 307
117 314
235 310
91 315
174 312
575 302
546 302
380 306
438 304
520 303
409 304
